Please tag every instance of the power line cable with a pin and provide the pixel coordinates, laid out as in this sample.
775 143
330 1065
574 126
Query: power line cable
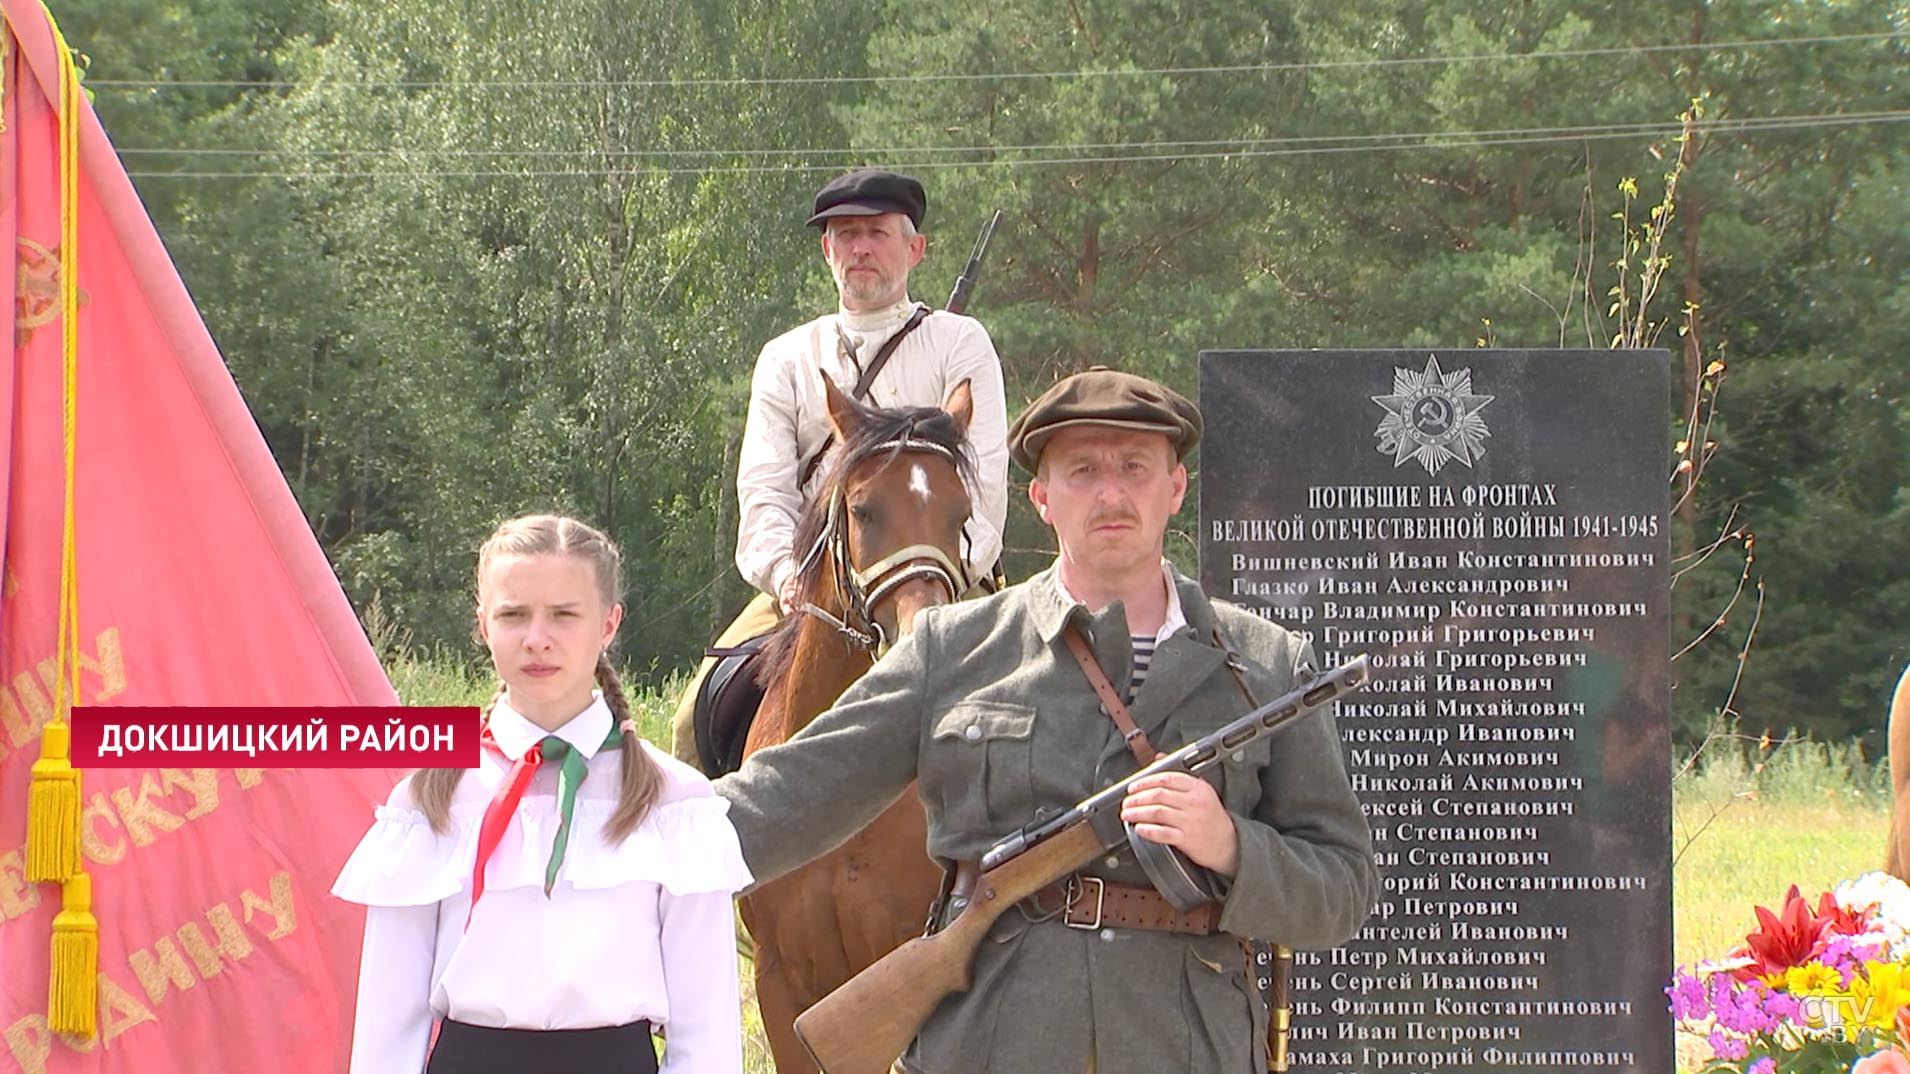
1152 72
895 152
1458 140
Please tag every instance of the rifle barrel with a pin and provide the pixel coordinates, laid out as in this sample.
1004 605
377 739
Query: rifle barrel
965 285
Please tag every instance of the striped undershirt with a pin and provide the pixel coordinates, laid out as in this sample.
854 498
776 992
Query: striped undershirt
1143 659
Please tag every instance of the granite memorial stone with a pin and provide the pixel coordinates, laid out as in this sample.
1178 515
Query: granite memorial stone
1490 526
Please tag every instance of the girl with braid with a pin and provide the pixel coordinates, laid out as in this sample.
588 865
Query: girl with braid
552 907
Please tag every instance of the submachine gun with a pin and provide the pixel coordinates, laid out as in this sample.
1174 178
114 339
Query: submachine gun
864 1026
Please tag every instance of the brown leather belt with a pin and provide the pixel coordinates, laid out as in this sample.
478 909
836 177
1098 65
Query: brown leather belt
1090 902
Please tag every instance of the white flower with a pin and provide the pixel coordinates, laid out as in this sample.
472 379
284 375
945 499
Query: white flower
1887 899
1727 964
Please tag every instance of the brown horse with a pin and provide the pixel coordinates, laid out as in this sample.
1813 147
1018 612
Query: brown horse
884 541
1897 854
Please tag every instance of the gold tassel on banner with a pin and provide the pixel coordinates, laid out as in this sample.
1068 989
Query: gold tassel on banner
72 988
53 800
53 810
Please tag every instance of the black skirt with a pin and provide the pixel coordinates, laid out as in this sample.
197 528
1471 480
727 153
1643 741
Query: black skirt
469 1049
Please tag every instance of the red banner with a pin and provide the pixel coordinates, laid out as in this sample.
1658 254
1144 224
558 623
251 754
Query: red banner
199 584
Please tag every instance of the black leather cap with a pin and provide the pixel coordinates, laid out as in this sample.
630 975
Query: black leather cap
870 192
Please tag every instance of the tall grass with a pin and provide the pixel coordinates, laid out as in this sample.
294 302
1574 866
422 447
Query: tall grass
1750 817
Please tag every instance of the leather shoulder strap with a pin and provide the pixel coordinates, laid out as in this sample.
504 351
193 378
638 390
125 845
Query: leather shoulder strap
867 379
862 386
1111 702
1236 667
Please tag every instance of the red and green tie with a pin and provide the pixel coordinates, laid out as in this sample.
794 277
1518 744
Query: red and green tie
573 766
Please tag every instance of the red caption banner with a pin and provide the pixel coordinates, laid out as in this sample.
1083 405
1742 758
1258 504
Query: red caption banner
176 736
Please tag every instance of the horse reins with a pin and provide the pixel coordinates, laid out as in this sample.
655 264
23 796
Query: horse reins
862 591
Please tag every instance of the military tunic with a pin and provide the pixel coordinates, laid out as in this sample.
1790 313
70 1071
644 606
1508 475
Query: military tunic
985 707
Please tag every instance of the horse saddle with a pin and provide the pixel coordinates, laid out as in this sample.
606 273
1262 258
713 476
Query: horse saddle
726 706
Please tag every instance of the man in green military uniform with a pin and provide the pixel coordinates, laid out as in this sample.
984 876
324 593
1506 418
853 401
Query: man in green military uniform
986 706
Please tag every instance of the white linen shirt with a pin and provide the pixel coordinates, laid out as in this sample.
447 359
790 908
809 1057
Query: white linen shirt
637 930
789 420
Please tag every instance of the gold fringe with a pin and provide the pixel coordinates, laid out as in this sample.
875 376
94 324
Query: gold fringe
72 1004
53 810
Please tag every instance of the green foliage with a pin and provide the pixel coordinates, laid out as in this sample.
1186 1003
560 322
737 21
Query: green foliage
487 299
467 258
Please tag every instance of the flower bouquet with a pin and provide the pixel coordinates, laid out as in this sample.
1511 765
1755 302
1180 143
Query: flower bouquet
1818 989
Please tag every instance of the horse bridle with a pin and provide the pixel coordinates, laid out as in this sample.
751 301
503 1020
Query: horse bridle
862 591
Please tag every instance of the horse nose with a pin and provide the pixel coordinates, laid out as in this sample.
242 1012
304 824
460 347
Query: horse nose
913 598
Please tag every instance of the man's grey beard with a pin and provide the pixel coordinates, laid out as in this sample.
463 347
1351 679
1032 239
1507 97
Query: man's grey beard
866 290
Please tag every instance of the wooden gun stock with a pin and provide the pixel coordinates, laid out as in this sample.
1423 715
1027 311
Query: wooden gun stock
865 1025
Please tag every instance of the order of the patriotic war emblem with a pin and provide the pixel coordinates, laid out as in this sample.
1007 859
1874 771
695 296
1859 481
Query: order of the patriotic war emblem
1432 417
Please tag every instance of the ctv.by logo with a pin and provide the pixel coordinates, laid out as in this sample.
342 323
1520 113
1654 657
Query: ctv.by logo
1834 1015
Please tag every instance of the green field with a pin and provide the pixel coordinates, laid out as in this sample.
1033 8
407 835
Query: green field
1742 832
1748 821
1752 852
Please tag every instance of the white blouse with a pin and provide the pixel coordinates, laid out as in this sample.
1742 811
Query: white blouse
637 930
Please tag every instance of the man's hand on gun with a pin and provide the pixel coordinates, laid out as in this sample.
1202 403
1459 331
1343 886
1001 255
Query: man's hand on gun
1184 811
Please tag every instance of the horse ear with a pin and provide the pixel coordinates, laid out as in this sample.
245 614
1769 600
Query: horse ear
960 405
843 417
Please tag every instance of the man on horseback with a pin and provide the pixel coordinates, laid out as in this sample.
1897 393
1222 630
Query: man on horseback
992 706
884 349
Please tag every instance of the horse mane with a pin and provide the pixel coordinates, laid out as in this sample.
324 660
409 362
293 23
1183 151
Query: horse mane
875 431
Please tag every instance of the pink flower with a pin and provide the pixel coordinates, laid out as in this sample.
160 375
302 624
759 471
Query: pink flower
1888 1062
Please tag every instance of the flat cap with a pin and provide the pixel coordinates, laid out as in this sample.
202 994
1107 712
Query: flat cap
1103 396
870 192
